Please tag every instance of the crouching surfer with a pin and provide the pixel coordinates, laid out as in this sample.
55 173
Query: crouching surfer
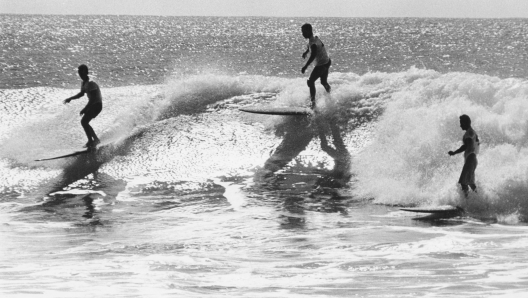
92 109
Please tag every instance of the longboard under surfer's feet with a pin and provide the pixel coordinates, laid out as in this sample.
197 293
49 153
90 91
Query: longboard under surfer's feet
92 144
92 148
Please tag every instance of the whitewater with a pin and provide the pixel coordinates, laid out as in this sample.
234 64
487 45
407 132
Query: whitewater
193 197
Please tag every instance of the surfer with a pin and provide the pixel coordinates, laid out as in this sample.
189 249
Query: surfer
92 109
321 58
470 148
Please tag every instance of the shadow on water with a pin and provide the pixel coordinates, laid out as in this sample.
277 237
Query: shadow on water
294 209
70 205
341 172
83 205
297 133
298 193
295 217
85 164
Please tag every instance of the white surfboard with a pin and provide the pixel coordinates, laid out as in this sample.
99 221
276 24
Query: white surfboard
292 111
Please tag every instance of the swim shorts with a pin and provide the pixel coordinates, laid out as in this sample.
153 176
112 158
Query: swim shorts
320 71
93 110
467 177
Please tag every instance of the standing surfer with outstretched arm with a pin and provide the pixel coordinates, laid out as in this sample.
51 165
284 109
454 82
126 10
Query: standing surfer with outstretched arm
92 109
470 148
322 61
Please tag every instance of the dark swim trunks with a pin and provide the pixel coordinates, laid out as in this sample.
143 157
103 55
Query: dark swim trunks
94 110
467 177
320 71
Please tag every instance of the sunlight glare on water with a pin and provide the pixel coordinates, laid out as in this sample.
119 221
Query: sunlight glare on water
189 196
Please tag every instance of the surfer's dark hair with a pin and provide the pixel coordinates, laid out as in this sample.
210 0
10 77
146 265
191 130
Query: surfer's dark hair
307 27
83 68
465 118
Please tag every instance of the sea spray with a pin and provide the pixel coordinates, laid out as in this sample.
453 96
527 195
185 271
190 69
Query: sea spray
407 163
411 116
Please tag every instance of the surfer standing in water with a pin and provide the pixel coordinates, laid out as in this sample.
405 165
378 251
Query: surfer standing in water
470 148
92 109
322 61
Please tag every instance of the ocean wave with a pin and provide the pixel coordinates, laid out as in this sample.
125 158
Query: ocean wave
407 160
190 127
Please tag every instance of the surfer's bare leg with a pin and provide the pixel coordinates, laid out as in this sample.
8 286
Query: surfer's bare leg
324 76
319 72
314 76
90 133
465 190
311 84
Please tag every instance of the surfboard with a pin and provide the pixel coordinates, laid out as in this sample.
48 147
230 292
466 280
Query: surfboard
292 111
436 212
75 153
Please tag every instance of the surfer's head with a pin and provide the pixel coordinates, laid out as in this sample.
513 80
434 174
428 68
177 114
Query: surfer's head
83 71
465 122
307 30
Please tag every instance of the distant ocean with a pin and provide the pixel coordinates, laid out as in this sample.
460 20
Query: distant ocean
190 196
42 50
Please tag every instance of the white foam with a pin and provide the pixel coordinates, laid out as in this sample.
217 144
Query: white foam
407 161
402 157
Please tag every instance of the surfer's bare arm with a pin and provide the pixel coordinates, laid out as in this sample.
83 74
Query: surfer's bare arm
78 95
467 142
306 52
311 59
84 109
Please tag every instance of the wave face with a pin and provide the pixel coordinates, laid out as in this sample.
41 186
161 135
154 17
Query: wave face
397 127
407 160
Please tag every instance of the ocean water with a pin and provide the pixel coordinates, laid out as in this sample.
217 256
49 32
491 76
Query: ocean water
191 197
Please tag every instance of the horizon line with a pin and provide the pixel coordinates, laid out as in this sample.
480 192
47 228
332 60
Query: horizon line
264 16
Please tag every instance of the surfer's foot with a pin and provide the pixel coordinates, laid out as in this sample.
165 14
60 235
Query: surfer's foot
312 105
327 88
91 144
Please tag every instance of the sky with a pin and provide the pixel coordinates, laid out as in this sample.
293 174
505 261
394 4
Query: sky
277 8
